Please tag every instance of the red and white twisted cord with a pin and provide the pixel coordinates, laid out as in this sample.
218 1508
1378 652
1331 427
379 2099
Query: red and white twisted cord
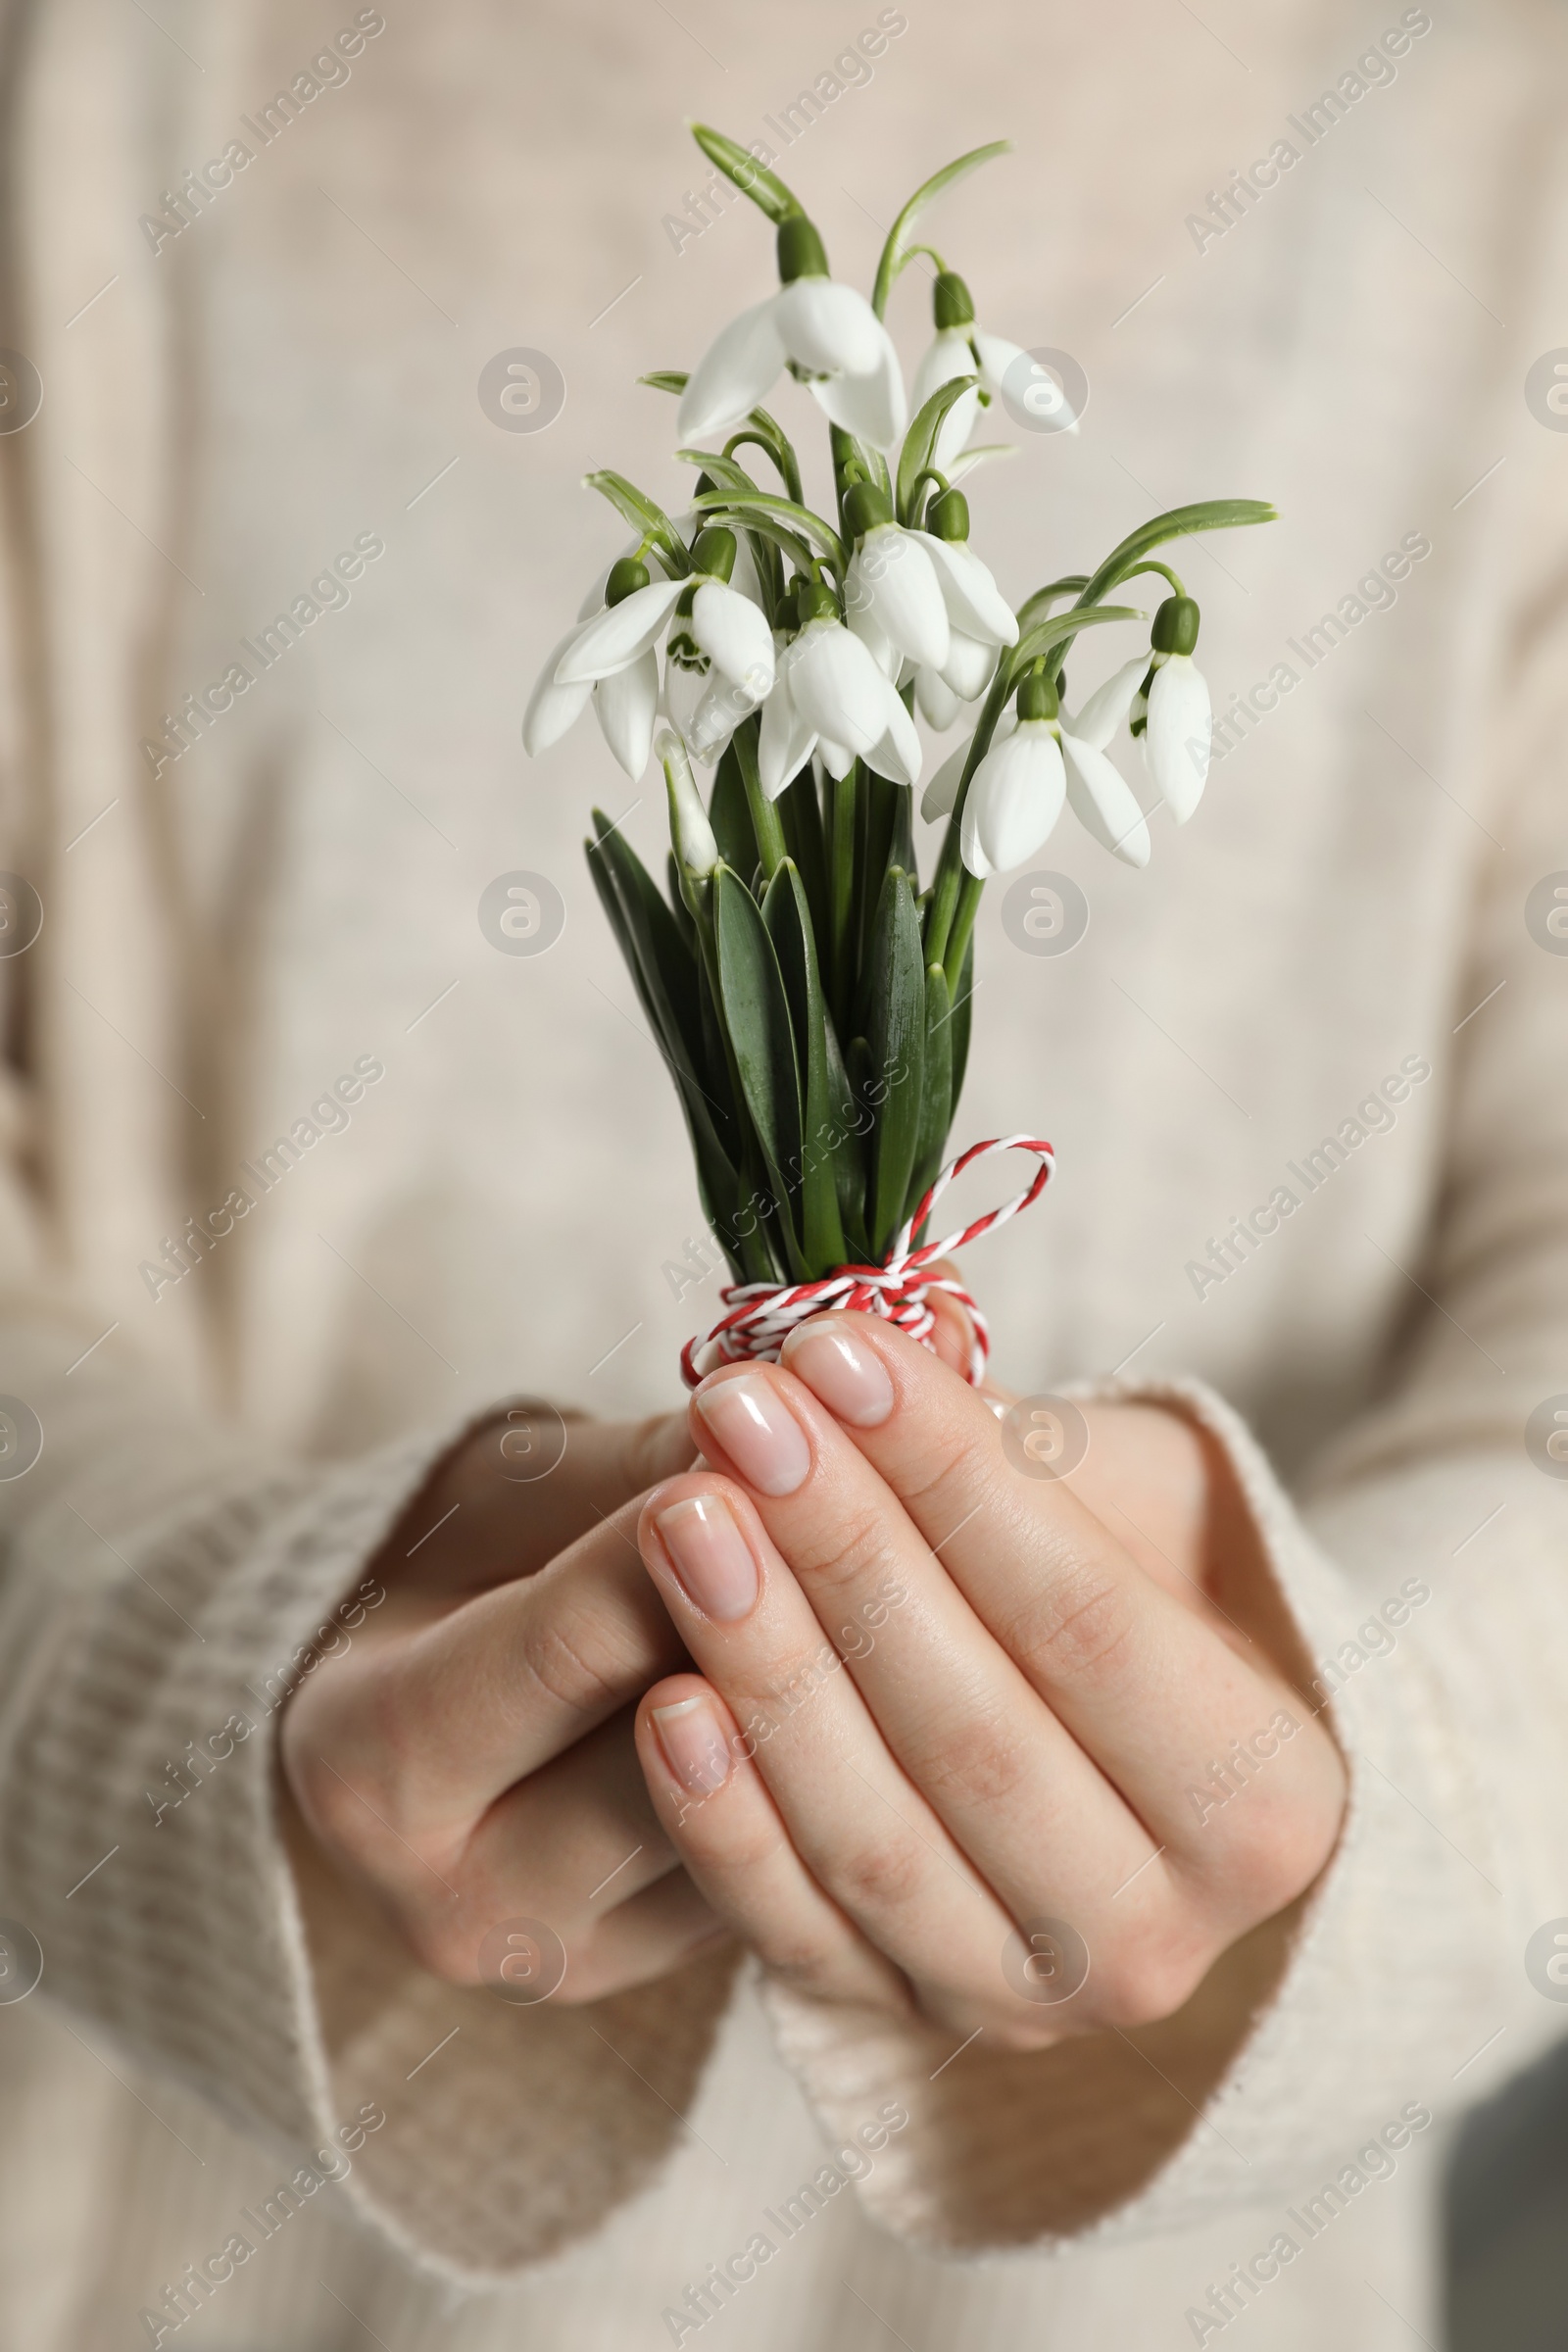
762 1314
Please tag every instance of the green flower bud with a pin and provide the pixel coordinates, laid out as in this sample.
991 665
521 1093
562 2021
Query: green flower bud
950 305
816 601
713 552
696 850
799 250
864 507
1175 630
626 578
1037 696
947 515
788 614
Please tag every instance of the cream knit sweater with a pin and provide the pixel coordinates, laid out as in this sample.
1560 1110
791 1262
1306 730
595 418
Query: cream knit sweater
291 378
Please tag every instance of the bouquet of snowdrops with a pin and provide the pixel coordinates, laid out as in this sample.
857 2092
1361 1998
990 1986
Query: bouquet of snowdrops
810 996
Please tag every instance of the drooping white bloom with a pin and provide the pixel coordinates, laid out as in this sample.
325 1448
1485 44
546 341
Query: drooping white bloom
1098 793
1179 734
980 620
825 333
831 695
689 828
961 347
1015 797
892 593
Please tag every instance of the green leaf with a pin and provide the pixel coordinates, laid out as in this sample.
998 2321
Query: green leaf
647 519
756 1017
729 814
921 439
895 1035
762 507
895 253
936 1087
801 814
665 978
1211 515
852 1124
754 179
962 1012
986 454
666 379
788 919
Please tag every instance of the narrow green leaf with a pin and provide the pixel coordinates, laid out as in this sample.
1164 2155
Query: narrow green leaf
756 1017
921 439
895 1035
851 1125
788 921
754 179
936 1087
763 508
801 814
730 816
895 253
1210 515
665 379
962 1005
646 518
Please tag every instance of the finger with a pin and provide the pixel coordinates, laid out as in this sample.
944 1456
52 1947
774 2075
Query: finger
1007 1778
865 1834
1146 1686
523 1485
429 1731
717 1813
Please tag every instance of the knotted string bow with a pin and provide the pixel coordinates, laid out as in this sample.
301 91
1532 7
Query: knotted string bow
762 1314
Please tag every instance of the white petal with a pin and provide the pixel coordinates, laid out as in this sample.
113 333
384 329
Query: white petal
943 789
830 330
938 703
896 753
947 355
974 602
863 621
995 355
552 709
893 574
1103 801
626 705
717 715
1106 707
733 374
787 739
619 634
835 758
1015 797
734 633
1180 734
956 427
873 406
969 667
838 687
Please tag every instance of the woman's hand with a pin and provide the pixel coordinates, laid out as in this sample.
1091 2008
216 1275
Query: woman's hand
967 1742
467 1758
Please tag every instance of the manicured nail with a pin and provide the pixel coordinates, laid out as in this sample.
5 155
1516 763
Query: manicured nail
850 1377
692 1745
758 1431
711 1556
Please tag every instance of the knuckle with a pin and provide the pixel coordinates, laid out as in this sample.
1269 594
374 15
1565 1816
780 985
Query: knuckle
1148 1981
1079 1628
878 1878
838 1557
443 1946
977 1762
571 1664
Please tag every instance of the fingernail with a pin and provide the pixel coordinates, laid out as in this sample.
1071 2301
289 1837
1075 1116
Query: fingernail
759 1432
850 1377
711 1556
692 1745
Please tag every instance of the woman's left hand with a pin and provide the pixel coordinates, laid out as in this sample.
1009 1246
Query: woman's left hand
967 1741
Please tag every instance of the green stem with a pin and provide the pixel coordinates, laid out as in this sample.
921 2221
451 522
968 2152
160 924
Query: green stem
841 831
969 896
766 823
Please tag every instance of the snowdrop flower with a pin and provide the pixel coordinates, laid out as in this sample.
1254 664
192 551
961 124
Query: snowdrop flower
831 695
893 592
962 348
1098 793
1179 728
609 659
690 831
826 334
720 665
1017 793
980 620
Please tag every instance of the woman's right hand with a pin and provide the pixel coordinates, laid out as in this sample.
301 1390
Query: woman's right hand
466 1757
